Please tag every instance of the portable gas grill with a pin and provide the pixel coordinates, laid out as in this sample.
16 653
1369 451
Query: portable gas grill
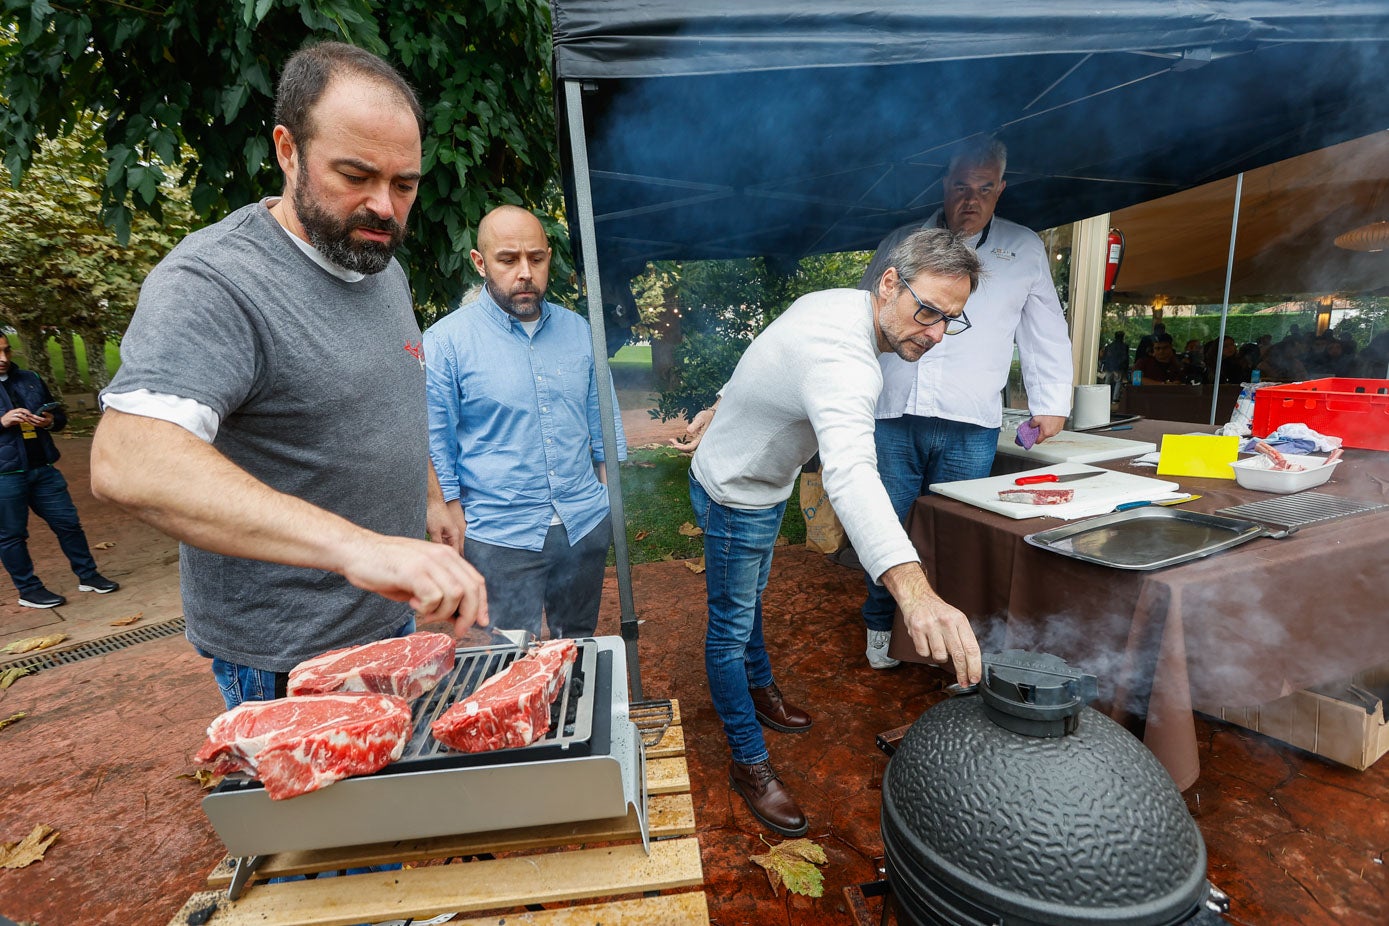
589 766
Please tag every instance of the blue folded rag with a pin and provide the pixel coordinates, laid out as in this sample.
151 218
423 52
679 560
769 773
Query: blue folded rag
1293 446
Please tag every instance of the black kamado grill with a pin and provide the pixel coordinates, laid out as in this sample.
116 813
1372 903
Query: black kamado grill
1014 804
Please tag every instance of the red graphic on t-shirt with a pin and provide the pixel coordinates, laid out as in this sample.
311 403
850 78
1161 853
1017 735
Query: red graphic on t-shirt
416 349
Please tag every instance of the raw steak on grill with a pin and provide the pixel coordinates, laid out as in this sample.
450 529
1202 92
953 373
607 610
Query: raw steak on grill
402 666
512 708
1037 496
296 745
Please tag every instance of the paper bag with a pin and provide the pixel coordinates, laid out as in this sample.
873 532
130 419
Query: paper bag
823 532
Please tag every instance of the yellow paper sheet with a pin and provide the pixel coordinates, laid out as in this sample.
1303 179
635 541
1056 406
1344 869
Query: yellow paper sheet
1205 455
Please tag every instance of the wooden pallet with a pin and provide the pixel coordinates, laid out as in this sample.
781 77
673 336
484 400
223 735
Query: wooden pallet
560 865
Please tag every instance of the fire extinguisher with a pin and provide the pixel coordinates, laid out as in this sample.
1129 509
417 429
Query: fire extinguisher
1113 259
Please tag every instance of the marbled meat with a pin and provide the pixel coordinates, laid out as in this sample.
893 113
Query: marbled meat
403 666
300 744
512 708
1037 496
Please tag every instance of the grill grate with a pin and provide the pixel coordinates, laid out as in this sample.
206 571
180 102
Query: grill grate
653 719
1302 508
102 647
571 712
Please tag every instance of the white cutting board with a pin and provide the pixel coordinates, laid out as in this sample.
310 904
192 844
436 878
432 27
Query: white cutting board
1093 496
1073 447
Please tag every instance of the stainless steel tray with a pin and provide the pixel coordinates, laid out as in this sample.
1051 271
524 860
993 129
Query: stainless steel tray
1149 538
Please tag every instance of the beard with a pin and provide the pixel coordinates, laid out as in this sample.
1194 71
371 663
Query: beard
332 236
508 301
910 350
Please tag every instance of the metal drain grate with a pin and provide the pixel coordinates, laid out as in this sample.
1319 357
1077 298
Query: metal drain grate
1302 508
102 647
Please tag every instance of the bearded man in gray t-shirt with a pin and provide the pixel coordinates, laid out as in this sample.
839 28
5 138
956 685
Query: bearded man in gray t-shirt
269 411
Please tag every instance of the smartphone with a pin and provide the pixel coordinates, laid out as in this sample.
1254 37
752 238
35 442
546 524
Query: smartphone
47 407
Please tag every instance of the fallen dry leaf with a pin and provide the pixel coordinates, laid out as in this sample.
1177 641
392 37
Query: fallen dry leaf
13 718
9 676
32 643
793 863
640 536
695 565
689 530
780 541
29 850
205 778
104 545
127 621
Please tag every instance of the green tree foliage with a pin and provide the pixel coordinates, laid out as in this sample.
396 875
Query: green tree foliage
186 87
723 304
59 267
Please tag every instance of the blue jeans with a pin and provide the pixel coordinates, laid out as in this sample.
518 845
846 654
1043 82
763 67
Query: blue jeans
914 452
737 560
239 684
46 491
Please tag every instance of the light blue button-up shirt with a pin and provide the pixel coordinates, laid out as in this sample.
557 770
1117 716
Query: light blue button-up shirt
514 426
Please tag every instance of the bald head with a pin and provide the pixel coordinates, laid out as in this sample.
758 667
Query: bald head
513 256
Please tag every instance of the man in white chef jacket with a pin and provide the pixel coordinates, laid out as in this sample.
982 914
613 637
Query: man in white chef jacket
938 418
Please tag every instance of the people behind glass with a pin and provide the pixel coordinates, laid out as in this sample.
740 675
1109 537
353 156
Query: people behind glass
1296 356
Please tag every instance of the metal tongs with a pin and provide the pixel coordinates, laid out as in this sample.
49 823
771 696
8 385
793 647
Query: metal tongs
522 640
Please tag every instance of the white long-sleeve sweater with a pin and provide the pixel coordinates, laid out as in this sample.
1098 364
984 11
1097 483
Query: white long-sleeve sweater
808 382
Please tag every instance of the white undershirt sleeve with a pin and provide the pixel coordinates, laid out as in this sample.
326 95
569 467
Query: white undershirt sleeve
189 414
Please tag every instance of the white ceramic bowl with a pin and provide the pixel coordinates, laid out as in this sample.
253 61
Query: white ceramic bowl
1257 472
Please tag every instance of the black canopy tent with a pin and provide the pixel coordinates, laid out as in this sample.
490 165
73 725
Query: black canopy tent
734 128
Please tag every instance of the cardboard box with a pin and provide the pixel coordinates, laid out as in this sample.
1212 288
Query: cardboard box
1343 722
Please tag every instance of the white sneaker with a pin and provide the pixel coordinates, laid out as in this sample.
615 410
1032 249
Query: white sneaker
878 658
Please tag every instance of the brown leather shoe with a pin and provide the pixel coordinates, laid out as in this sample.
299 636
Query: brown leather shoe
773 711
768 798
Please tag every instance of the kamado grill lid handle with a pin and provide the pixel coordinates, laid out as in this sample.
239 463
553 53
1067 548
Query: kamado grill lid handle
1035 694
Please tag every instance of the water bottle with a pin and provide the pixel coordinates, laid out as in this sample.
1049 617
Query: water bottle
1253 376
1138 377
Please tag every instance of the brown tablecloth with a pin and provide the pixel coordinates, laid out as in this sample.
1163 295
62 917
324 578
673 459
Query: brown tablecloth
1238 628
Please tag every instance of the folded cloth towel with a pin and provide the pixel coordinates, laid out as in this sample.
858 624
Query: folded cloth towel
1285 445
1296 431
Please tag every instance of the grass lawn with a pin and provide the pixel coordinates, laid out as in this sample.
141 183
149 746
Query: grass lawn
55 354
656 500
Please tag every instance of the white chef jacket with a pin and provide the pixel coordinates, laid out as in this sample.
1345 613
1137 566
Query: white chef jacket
961 378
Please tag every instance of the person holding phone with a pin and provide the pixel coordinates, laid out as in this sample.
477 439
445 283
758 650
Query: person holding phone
28 479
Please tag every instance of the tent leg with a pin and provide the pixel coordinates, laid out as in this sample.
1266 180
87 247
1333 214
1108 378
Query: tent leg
1225 306
588 237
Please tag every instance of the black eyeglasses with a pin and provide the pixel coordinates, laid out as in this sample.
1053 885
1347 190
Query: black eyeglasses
928 315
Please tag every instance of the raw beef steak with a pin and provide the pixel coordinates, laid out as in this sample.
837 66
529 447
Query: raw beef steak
403 666
296 745
1037 496
512 708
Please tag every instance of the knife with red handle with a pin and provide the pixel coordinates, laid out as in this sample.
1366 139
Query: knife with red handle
1051 477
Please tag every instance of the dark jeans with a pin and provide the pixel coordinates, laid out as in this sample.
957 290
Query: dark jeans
563 582
46 491
914 452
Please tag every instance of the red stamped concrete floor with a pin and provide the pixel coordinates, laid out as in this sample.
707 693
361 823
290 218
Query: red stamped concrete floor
1292 838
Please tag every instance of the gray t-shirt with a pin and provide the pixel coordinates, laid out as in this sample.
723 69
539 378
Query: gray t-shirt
319 384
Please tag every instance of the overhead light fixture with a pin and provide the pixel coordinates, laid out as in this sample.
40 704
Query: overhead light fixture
1372 237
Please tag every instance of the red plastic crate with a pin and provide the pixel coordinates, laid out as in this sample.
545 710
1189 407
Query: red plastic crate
1355 410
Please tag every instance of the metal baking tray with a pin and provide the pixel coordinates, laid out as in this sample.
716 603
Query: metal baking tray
1149 538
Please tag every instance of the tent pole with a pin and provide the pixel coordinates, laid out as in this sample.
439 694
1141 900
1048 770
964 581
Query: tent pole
1225 306
588 242
1089 251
